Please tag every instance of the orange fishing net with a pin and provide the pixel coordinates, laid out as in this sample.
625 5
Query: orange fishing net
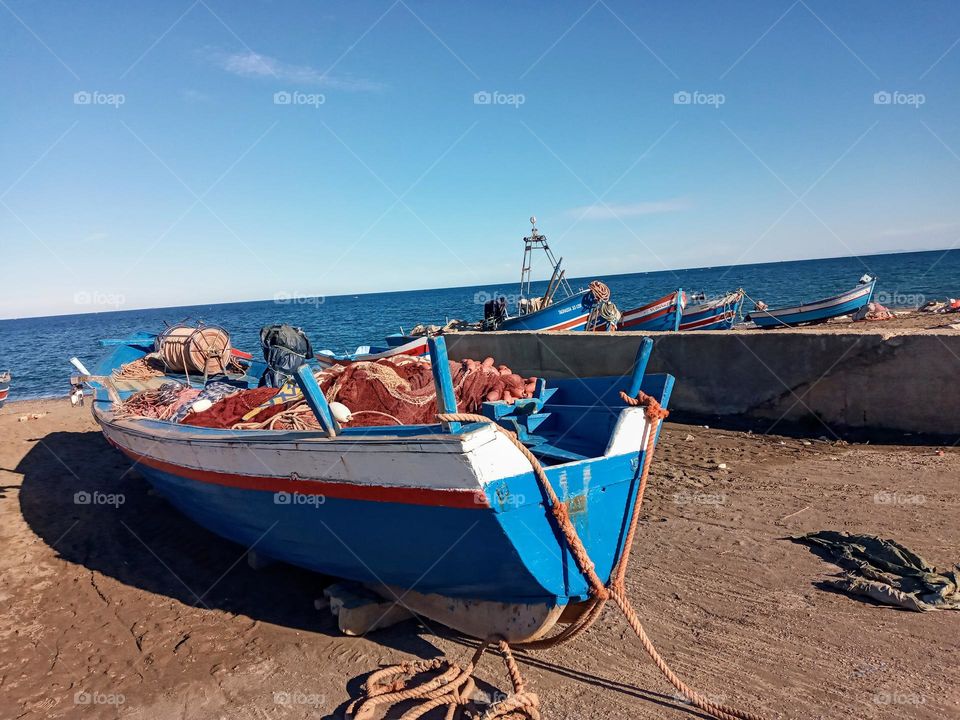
392 391
400 389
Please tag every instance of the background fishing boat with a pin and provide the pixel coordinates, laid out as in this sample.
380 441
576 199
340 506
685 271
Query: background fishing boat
415 347
4 386
660 315
819 311
558 308
719 314
574 311
450 513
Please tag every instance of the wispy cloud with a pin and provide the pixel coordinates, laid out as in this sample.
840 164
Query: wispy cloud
610 211
249 64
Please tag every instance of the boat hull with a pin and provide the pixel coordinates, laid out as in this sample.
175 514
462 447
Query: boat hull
837 306
719 314
414 347
660 315
570 313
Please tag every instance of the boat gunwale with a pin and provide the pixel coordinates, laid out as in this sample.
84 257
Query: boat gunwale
374 434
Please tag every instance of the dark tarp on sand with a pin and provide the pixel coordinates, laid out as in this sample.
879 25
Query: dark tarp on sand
885 571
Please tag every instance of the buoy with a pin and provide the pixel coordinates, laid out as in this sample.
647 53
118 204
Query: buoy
341 413
200 405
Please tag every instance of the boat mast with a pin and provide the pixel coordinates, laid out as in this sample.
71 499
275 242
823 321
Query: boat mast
530 243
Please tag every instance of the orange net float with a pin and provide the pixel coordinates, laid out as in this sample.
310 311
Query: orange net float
203 350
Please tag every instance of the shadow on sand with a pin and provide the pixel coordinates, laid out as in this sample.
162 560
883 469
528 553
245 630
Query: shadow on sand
86 501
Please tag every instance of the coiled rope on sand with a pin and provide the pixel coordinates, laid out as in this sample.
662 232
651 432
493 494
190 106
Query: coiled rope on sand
454 685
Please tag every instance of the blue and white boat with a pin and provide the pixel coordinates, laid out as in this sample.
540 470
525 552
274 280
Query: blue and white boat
720 313
4 386
450 515
815 312
546 313
413 347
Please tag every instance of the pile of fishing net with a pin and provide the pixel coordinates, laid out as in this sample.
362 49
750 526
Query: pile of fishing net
163 403
873 311
178 402
950 305
391 391
400 390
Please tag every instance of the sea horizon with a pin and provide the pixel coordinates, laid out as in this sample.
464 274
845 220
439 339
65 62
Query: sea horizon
601 276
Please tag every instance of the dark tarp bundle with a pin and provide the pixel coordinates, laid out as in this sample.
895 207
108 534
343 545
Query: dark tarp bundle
885 571
285 348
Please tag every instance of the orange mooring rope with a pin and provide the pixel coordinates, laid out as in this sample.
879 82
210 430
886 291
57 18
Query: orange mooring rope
454 686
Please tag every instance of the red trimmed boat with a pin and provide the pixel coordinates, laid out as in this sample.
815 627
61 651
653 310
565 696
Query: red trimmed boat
719 314
659 315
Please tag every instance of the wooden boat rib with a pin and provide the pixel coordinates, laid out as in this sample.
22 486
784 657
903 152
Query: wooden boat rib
836 306
453 515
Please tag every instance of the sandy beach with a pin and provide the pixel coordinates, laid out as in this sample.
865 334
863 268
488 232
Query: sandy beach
121 607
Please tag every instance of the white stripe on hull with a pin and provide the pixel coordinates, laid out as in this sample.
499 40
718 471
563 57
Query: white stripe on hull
633 315
481 457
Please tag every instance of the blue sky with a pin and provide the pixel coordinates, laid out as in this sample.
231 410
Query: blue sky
148 156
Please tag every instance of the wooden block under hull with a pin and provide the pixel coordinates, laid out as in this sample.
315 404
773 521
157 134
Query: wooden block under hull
515 622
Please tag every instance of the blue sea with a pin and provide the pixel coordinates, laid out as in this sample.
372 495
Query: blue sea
37 350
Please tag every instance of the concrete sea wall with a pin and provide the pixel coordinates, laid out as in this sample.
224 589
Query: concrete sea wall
862 379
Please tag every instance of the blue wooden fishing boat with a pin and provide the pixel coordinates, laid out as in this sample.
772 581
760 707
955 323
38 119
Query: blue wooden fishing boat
660 315
544 313
448 514
720 313
413 347
4 386
819 311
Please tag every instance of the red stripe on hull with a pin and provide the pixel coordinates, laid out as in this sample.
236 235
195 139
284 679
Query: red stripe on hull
466 499
568 324
703 322
648 318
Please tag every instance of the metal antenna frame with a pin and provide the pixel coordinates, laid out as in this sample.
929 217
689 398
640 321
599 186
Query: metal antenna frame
537 241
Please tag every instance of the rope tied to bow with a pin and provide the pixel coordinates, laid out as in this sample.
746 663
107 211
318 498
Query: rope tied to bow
524 703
